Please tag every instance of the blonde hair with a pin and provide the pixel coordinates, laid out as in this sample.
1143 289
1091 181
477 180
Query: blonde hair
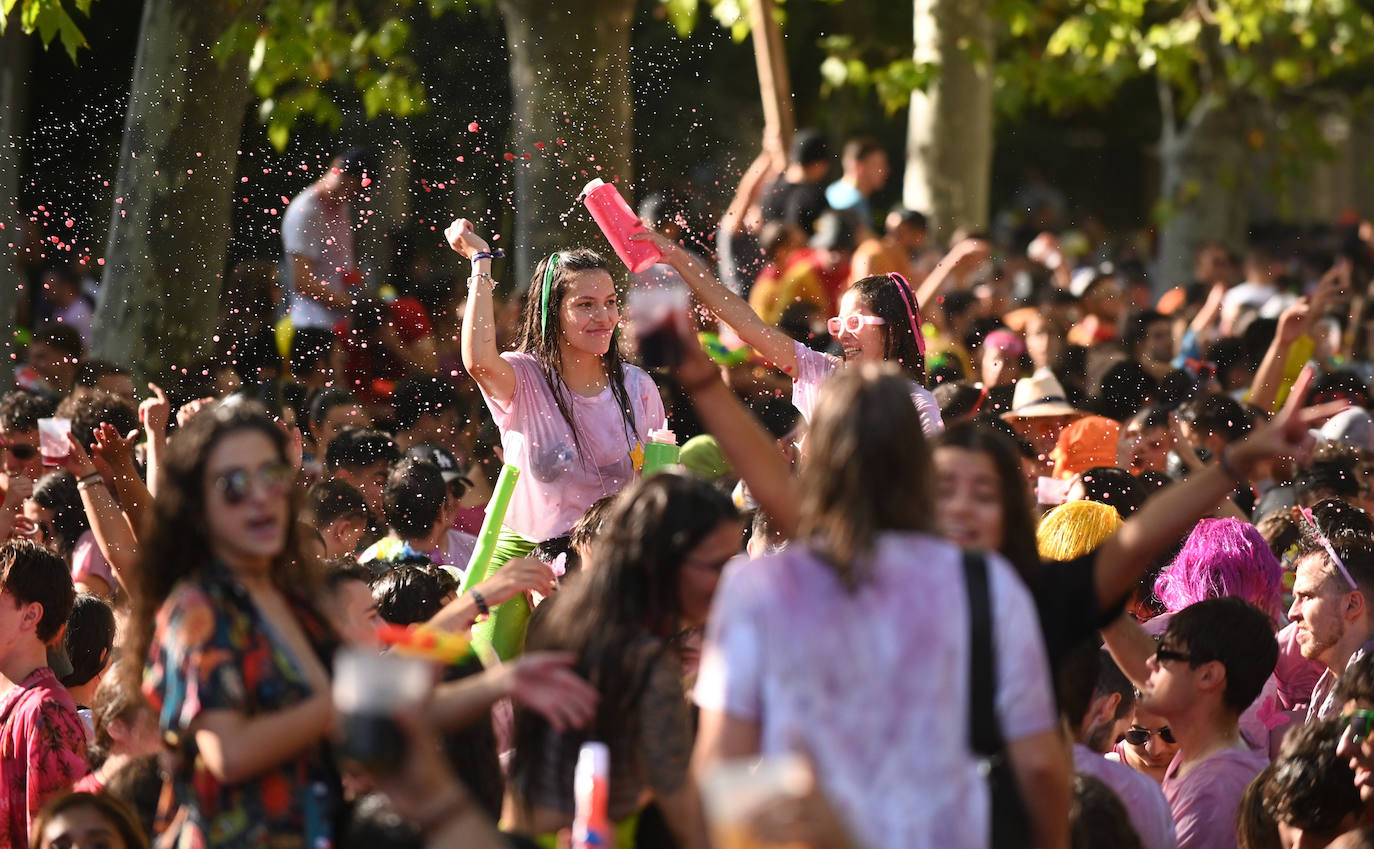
867 467
1074 529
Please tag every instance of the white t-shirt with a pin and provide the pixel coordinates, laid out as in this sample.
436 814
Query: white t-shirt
814 367
557 484
875 684
324 236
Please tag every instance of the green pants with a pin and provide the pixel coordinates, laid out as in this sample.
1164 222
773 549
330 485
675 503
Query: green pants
505 629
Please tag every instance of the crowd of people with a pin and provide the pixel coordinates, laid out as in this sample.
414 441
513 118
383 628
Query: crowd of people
1005 545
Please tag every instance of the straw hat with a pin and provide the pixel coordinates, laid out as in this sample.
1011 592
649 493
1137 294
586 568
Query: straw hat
1041 394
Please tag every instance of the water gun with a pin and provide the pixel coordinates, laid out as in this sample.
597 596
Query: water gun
591 795
429 643
720 354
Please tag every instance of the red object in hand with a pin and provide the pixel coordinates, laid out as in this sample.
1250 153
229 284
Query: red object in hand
617 222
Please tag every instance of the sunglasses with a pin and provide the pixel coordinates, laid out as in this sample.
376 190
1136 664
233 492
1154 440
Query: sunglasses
21 452
272 480
1359 723
1162 654
852 322
1141 736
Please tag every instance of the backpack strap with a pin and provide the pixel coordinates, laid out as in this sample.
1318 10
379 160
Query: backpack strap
985 736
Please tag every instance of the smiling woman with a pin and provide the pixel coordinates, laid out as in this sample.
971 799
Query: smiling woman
879 321
573 415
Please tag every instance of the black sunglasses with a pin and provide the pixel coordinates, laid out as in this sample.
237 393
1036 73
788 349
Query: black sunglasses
1141 736
1162 654
21 452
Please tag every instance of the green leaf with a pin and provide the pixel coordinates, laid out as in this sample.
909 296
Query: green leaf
72 38
834 71
49 21
390 38
278 133
258 56
683 15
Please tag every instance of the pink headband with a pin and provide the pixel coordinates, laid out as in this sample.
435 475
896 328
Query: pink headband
1311 522
912 312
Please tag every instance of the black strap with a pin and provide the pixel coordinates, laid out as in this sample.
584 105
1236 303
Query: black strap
985 734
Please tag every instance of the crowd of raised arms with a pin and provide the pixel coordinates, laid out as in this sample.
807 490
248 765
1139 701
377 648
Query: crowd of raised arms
872 544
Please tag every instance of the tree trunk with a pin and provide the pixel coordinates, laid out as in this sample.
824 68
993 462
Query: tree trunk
14 55
1202 171
172 219
570 80
949 134
775 84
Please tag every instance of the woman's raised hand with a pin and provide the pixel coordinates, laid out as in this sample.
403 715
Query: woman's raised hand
155 412
464 239
670 249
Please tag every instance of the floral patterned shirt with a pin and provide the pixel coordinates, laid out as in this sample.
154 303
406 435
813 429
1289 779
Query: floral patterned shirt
42 752
212 650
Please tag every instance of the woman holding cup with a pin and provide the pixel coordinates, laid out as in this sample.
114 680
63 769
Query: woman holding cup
574 417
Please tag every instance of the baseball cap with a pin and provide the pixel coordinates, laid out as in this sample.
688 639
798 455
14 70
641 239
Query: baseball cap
448 465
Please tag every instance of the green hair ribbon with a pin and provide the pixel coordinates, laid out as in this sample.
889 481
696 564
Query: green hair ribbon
544 296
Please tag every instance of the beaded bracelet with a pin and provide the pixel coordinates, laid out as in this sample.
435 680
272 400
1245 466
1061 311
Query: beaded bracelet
496 254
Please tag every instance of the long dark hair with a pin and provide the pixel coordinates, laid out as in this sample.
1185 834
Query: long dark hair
867 467
629 592
1018 514
541 338
177 544
56 492
883 295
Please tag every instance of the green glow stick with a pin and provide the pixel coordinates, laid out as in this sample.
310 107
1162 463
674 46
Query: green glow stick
491 527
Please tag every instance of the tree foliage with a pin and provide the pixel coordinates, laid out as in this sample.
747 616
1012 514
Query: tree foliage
305 56
1282 52
50 19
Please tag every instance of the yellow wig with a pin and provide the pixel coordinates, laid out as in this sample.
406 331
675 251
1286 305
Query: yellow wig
1074 529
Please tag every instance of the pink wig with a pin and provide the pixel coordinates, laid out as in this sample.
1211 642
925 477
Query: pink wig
1222 557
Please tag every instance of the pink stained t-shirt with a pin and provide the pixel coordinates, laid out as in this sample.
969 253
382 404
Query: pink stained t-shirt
874 684
1205 801
557 483
88 561
42 752
813 368
1144 801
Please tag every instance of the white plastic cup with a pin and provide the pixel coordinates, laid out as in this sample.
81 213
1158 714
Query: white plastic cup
52 439
369 690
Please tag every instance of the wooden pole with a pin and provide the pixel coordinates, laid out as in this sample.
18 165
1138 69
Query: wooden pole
775 87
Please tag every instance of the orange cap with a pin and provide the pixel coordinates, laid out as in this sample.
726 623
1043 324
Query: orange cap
1090 441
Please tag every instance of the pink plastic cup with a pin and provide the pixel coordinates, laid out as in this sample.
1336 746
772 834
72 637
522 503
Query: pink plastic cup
618 222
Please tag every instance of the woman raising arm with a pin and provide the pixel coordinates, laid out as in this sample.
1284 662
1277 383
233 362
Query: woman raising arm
573 415
879 321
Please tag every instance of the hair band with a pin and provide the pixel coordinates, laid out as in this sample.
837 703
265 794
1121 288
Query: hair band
1316 531
544 296
913 313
